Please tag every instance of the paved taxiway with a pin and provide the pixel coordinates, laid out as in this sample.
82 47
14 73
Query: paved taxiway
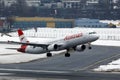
78 66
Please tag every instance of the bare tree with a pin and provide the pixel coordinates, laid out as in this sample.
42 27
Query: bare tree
2 8
118 4
22 8
83 3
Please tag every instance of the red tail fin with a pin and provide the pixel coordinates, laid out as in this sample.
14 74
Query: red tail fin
21 36
22 39
20 32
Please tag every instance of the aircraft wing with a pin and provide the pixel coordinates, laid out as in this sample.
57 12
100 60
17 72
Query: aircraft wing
31 44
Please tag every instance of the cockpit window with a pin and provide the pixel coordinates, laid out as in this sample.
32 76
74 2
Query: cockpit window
92 32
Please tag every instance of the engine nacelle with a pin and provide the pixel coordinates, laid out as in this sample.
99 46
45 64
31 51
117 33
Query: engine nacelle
80 48
52 47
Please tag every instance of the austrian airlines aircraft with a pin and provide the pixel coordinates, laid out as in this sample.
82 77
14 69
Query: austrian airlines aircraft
76 42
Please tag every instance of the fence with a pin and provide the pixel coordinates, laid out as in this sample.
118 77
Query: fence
104 33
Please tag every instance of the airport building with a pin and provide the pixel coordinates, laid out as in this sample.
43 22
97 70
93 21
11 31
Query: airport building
8 2
1 23
71 3
35 3
50 22
90 23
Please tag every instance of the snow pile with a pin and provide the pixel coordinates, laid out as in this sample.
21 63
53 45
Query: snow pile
116 22
108 68
110 21
111 67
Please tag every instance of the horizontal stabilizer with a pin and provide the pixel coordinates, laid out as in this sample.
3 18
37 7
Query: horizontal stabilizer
6 34
12 48
3 42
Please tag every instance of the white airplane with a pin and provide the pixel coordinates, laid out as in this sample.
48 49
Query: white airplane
76 42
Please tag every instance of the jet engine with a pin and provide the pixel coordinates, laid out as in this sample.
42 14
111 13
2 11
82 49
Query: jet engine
80 48
52 47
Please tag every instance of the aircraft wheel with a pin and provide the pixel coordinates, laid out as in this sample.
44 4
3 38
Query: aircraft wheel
89 47
67 55
49 54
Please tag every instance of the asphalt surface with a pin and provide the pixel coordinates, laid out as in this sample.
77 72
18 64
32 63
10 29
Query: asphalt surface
78 66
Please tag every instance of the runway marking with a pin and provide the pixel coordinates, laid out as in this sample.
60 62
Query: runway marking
22 78
98 62
5 74
44 71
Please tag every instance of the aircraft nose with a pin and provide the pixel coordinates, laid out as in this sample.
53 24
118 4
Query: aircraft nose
97 37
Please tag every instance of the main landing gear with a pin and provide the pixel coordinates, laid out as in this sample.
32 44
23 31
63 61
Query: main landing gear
67 54
89 47
49 54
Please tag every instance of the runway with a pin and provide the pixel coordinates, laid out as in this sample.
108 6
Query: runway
78 66
10 74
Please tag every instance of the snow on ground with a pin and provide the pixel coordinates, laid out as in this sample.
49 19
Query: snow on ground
114 66
12 56
116 22
107 42
108 68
